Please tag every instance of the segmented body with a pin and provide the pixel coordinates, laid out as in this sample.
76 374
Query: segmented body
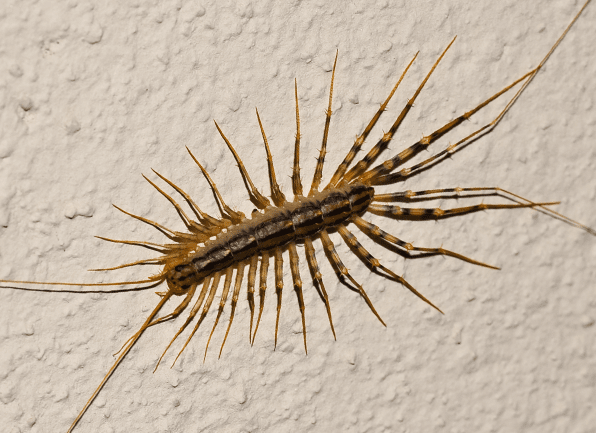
275 228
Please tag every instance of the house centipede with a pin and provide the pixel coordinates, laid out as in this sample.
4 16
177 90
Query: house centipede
381 174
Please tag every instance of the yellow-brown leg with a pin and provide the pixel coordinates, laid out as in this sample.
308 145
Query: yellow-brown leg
255 196
204 218
191 316
341 169
222 303
379 235
208 302
438 213
361 252
237 285
296 182
250 291
382 144
316 181
225 210
294 263
262 289
342 271
279 286
379 175
278 197
311 259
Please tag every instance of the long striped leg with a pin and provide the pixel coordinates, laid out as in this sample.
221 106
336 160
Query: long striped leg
279 285
317 278
342 271
341 169
321 159
294 262
250 291
203 218
382 144
255 196
237 285
361 252
296 182
484 191
191 316
391 164
222 303
208 302
278 197
438 213
262 289
424 142
225 210
192 226
379 235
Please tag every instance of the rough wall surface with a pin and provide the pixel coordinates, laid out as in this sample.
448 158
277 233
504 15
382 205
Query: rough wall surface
93 95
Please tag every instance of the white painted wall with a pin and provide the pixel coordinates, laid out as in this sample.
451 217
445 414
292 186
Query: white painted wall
93 96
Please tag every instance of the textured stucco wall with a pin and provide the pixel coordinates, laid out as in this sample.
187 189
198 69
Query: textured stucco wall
92 96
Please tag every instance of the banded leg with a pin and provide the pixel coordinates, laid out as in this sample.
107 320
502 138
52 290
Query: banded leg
484 191
438 213
203 218
278 197
382 144
255 196
279 286
208 302
375 178
262 289
341 169
318 278
191 316
294 263
490 126
296 182
380 174
222 303
192 226
250 291
342 271
237 285
225 210
321 159
374 263
379 235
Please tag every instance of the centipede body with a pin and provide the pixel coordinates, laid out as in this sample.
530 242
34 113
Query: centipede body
279 122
